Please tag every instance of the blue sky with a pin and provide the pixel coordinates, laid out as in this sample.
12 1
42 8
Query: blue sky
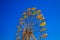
11 10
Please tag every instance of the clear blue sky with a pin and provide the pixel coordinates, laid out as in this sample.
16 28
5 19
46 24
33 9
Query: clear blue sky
11 10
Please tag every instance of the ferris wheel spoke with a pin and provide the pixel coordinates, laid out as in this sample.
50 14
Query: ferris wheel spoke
32 24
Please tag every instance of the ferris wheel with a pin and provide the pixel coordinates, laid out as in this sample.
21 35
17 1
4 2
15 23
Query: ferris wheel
32 25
